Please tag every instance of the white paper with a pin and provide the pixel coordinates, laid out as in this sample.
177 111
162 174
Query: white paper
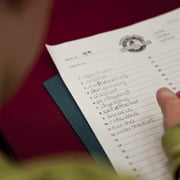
114 77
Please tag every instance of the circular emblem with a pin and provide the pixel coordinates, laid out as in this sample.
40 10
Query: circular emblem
133 43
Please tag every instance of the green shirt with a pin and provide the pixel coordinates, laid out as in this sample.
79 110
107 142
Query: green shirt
171 145
84 170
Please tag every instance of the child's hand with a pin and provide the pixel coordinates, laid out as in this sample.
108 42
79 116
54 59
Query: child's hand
170 106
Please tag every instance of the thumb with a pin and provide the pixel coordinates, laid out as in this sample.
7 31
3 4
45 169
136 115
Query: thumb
169 103
164 95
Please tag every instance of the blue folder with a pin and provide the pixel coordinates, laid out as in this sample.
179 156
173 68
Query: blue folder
64 100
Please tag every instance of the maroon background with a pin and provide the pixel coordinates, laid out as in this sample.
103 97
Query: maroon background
32 123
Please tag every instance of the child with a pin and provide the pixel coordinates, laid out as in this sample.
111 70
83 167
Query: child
23 27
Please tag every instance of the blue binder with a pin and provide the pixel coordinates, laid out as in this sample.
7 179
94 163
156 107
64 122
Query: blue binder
62 97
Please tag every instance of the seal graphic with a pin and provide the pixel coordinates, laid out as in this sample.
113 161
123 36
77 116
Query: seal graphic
133 43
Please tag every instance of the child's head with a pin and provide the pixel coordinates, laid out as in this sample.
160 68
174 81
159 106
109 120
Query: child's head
23 27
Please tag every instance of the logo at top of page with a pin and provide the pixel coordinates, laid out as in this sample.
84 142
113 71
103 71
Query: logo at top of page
133 43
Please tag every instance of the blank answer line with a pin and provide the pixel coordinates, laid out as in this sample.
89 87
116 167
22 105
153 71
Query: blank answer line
164 54
137 147
164 174
158 169
163 61
151 156
168 64
154 162
147 99
139 139
146 105
131 67
145 130
146 93
94 61
173 71
149 82
143 88
140 153
151 110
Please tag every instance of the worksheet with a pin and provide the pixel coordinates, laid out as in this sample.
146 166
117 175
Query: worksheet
114 77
